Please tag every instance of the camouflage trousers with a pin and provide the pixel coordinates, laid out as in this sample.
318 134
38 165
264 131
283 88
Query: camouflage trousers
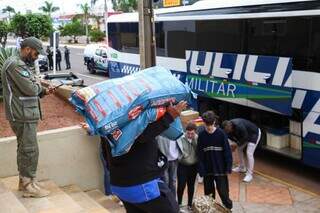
28 150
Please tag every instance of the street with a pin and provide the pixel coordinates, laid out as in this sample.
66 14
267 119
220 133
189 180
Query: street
77 65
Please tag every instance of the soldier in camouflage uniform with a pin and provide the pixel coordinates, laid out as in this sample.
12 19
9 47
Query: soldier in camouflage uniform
21 92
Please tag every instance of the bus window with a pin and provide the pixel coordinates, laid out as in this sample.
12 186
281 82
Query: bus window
125 37
219 36
180 36
281 37
315 45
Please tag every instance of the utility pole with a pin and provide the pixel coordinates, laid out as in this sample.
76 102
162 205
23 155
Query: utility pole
106 22
147 41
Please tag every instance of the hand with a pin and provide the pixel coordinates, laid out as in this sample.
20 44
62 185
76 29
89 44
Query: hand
233 147
182 105
176 110
50 90
84 126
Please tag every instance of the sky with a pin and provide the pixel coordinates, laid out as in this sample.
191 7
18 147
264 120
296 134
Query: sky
66 6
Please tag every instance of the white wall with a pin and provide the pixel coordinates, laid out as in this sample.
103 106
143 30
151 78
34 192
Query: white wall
67 156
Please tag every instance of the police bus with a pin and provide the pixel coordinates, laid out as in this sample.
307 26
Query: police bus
258 60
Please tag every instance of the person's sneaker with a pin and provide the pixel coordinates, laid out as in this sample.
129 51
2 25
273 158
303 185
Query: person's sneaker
239 169
247 178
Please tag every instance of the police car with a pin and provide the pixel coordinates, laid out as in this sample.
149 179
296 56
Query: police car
43 63
95 58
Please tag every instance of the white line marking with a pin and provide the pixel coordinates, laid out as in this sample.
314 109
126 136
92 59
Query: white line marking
88 76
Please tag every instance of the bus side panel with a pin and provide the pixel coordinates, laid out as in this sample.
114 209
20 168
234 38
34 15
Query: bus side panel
311 129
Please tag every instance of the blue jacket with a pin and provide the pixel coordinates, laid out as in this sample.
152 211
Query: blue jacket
214 153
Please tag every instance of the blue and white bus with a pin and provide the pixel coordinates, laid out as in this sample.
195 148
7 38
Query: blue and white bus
258 60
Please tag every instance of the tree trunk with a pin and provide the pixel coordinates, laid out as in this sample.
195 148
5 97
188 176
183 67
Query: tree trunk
87 33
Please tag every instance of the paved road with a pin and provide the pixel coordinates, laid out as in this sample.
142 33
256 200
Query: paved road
77 66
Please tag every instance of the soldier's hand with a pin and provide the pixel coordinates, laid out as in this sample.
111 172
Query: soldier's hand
50 90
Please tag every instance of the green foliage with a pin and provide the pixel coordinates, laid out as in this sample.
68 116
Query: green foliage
97 35
74 29
4 54
4 30
9 10
48 8
37 25
85 9
125 5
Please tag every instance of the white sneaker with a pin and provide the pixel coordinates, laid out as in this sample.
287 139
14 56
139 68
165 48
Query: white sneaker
247 178
239 169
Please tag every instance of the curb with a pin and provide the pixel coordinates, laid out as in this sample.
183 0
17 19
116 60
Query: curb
287 184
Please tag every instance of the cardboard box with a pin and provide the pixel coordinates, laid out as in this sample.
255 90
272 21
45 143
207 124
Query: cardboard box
295 128
277 141
295 142
188 115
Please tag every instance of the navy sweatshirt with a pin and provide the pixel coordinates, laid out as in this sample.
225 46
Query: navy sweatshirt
244 131
214 153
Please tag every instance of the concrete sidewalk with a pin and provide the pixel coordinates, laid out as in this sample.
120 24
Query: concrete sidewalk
266 195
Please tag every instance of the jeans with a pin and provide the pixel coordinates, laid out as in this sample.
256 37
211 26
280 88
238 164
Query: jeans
170 175
106 181
166 203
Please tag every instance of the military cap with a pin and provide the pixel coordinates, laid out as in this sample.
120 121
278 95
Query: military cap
34 43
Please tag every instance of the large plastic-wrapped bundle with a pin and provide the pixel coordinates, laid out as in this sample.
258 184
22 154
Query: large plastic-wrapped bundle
111 104
122 139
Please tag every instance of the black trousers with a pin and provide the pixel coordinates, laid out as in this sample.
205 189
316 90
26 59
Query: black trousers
165 203
58 65
186 176
67 59
50 63
222 184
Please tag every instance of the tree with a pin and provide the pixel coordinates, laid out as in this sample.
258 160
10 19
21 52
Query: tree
9 10
97 18
73 29
125 5
97 35
85 9
48 8
4 30
37 25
